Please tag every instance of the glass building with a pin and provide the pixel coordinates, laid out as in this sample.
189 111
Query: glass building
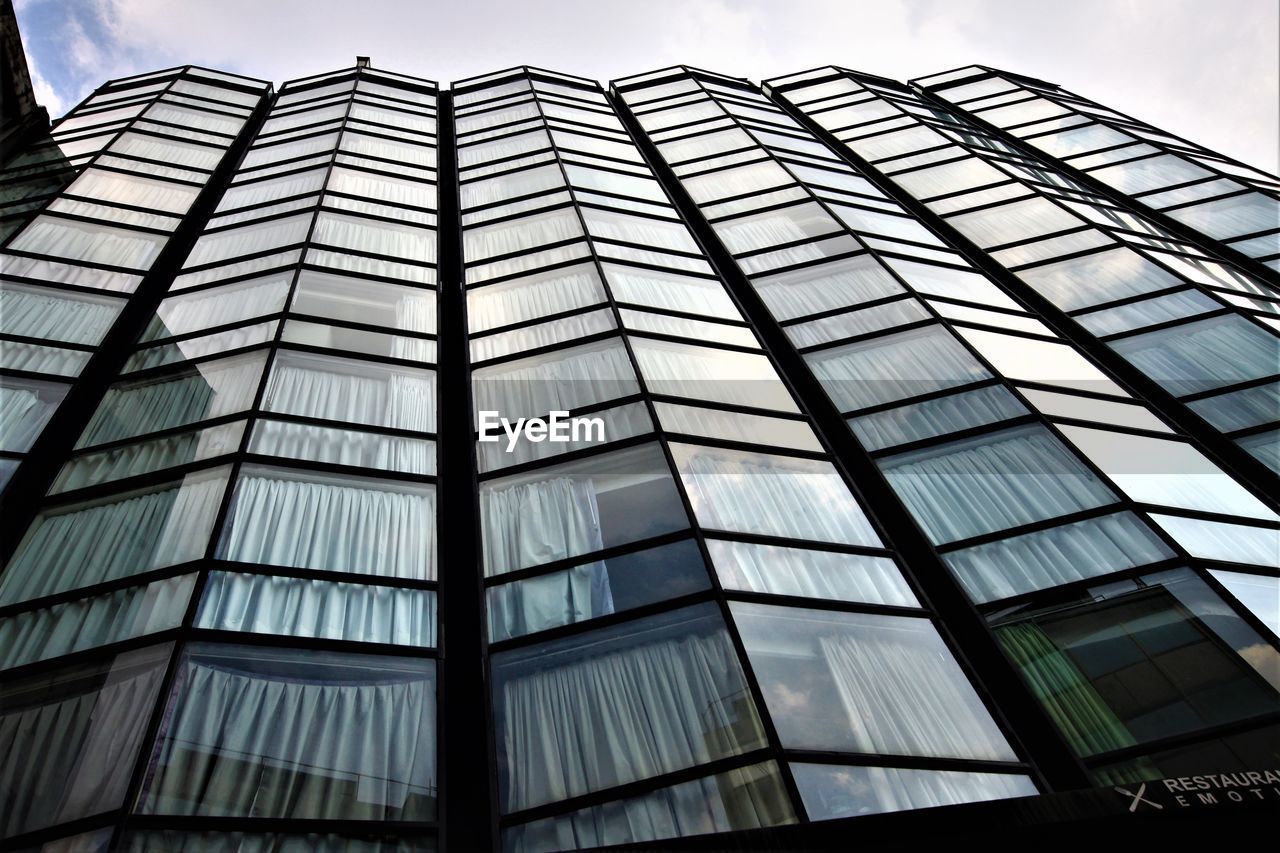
526 464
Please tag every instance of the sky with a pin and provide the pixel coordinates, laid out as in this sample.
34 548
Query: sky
1208 70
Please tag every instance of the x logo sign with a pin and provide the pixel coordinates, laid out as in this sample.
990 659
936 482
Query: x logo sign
1138 797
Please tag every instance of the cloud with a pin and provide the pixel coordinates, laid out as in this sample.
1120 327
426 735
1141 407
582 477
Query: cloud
1209 76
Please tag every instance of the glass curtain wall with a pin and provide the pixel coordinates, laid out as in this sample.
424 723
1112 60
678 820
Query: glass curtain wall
1204 330
627 577
1220 198
257 484
1030 470
85 214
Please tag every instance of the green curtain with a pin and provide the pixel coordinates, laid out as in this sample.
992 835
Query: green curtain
1080 713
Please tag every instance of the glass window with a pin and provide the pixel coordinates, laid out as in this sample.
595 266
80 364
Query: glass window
87 623
89 242
123 534
743 798
825 287
828 575
1259 593
230 303
252 732
894 367
672 291
595 589
529 297
300 607
1004 479
652 233
1056 556
1101 277
1203 354
1035 360
1010 223
142 457
857 682
219 246
563 380
884 224
935 417
286 517
715 375
663 693
1148 312
520 234
25 407
1165 471
832 791
933 280
775 227
336 446
69 738
771 495
511 185
543 334
1057 405
576 508
735 426
1143 659
1227 217
863 321
55 315
346 389
356 300
379 237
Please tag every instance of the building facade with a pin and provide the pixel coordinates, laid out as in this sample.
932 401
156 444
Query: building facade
532 465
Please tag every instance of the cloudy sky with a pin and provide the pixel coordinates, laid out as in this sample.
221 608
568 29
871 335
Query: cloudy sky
1206 69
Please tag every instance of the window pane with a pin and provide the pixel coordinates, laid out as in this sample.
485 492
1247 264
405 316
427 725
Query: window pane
344 389
716 375
1145 659
857 682
1204 354
894 367
357 300
576 508
829 575
251 732
939 416
231 303
69 738
533 296
771 495
298 607
979 485
25 407
595 589
82 544
283 517
563 380
831 791
664 693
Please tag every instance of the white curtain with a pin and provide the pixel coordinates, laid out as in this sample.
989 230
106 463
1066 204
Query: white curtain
511 185
353 391
142 457
776 227
708 373
743 798
865 321
542 334
565 380
333 527
53 316
377 236
828 575
993 482
298 607
534 523
906 696
22 415
91 242
167 150
369 185
536 296
573 726
211 390
520 234
894 367
367 145
189 117
641 230
272 189
401 119
248 239
1056 556
72 757
559 598
657 289
502 148
1204 354
91 622
344 447
85 545
695 147
771 495
252 743
939 416
825 287
261 155
205 309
